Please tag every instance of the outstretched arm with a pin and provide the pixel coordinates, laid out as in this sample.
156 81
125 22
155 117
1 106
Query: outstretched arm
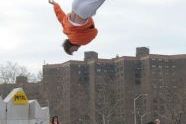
58 11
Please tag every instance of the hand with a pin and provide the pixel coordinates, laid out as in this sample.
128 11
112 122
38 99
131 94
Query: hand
51 1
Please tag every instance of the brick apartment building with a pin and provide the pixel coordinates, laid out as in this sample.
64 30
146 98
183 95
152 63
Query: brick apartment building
121 90
107 91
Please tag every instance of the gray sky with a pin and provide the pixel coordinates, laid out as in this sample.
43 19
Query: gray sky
30 33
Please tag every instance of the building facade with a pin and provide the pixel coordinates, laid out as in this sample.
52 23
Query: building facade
120 90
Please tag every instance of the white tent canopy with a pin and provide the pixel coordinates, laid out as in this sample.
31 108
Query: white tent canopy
17 109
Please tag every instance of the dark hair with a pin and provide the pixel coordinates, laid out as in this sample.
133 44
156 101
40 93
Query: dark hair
54 118
67 45
151 122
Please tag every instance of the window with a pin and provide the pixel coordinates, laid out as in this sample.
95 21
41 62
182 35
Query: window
173 74
174 86
98 70
154 85
166 66
160 59
153 66
160 80
153 72
173 66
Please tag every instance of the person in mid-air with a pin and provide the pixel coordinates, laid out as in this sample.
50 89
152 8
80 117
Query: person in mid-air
78 25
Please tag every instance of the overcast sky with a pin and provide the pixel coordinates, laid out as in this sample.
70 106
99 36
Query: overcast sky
30 33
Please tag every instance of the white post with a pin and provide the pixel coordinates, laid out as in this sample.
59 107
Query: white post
103 118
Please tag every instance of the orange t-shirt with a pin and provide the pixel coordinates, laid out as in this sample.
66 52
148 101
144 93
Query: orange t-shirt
78 35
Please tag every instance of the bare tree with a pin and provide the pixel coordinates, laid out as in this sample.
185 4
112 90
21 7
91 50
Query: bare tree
9 71
39 76
108 101
174 105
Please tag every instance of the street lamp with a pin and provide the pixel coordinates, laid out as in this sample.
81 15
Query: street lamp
135 105
142 117
145 114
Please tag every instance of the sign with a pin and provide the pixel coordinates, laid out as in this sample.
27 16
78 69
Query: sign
20 98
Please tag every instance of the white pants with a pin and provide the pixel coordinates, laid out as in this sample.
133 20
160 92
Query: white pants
86 8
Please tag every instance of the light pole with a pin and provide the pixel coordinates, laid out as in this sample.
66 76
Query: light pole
146 113
142 117
135 105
